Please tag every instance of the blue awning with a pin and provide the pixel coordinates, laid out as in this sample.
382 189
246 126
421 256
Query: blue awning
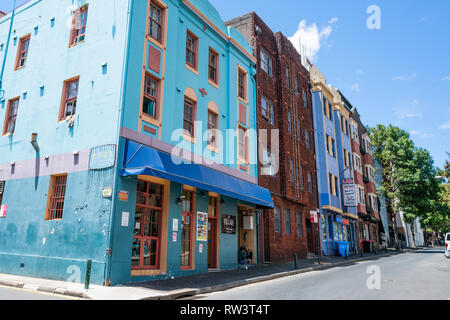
143 160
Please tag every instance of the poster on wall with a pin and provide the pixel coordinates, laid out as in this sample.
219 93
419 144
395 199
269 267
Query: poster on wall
202 226
228 224
3 210
349 192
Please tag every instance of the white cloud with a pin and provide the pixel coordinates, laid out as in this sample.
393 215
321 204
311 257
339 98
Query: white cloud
407 114
445 126
426 135
355 87
333 20
447 78
310 38
409 77
414 132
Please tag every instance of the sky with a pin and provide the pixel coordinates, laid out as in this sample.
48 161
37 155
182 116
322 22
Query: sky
394 72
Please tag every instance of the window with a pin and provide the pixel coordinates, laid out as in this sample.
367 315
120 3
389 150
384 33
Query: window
310 182
266 62
333 184
267 110
291 170
191 50
277 219
78 32
361 195
373 202
357 163
242 84
297 90
189 117
2 190
288 83
327 108
69 98
354 132
299 129
147 226
212 128
346 159
213 66
155 26
289 122
11 115
149 106
307 139
268 167
242 144
302 184
305 99
330 145
370 173
55 200
287 221
22 52
299 219
187 224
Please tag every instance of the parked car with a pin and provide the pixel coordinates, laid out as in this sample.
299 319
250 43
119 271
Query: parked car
447 245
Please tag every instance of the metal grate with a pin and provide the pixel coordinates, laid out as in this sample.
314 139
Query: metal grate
57 199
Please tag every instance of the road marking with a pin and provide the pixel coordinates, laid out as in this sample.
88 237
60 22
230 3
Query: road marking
40 292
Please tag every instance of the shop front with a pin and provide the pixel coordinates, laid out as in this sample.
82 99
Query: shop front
183 218
334 233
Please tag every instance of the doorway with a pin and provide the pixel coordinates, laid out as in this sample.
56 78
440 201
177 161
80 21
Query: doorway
246 230
310 237
213 202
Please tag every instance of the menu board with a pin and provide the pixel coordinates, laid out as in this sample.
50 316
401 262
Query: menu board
228 224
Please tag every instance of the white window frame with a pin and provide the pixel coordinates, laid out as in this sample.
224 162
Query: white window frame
266 62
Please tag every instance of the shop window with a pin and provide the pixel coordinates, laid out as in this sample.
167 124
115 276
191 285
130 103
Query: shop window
147 226
22 52
155 21
213 66
150 101
187 224
78 32
10 117
56 195
69 98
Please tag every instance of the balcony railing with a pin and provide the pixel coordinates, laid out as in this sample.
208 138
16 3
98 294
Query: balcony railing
369 209
362 149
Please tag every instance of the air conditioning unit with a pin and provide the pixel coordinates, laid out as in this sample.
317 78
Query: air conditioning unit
2 187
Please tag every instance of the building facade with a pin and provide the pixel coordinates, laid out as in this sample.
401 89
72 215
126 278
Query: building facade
287 166
142 119
364 173
338 231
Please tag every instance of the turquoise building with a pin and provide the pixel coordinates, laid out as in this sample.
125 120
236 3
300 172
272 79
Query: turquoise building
337 199
128 141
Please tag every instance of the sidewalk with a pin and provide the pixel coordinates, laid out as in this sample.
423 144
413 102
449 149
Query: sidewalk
189 285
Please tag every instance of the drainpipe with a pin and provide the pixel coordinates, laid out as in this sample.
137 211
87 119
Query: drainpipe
7 45
108 252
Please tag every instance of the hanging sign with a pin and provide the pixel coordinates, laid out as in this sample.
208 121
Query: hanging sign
349 192
313 216
202 226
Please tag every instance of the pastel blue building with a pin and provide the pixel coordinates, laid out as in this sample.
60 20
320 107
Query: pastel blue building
128 140
334 168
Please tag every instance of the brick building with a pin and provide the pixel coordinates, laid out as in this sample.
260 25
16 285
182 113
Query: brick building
284 110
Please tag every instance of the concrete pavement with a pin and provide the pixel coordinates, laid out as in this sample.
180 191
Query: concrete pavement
183 286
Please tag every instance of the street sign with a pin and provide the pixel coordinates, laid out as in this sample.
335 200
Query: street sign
313 216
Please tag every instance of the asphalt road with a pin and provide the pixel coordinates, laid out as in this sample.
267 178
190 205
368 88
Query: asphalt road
9 293
422 275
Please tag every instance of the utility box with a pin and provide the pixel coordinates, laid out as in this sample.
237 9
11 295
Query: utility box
247 222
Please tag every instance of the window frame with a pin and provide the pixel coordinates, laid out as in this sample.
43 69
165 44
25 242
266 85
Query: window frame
65 100
287 221
8 116
151 20
214 143
148 96
242 87
267 111
266 64
214 53
20 52
53 196
243 131
193 51
277 218
193 105
299 222
77 15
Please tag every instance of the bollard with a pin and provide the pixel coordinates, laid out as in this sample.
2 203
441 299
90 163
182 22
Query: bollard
295 261
346 254
88 274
